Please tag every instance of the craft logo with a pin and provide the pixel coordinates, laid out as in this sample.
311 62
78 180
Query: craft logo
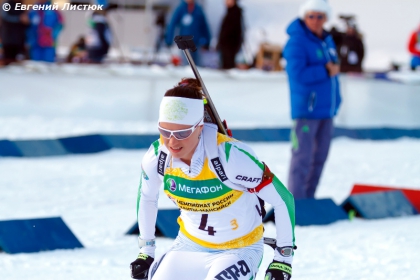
248 179
171 184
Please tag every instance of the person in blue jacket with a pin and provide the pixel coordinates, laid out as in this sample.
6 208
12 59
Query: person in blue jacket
189 19
312 69
45 26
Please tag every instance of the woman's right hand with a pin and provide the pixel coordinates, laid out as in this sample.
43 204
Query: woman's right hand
140 267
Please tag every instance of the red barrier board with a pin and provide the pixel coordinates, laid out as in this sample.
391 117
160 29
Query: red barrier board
412 195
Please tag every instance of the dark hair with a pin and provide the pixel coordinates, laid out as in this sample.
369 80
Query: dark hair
188 88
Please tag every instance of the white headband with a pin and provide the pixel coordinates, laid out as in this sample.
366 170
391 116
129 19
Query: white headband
181 110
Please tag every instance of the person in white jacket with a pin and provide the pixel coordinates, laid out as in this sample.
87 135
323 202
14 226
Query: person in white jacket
216 181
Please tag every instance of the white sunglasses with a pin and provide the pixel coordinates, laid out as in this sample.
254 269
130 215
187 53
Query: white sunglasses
181 134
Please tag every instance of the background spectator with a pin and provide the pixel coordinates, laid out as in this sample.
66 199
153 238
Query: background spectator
12 32
99 37
190 19
78 52
160 23
231 35
350 46
414 48
43 33
1 51
315 95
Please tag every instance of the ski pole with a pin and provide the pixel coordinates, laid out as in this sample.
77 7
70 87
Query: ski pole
186 43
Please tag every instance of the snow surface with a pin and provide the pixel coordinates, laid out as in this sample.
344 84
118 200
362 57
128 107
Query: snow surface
40 100
96 194
96 197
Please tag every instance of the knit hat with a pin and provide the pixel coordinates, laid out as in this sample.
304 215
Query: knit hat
316 6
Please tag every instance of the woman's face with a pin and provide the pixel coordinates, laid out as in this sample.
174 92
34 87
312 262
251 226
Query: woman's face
230 3
182 149
315 21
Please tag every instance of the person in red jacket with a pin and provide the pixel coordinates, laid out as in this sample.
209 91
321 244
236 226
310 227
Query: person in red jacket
414 48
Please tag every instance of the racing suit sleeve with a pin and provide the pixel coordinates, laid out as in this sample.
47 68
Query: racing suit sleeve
244 168
147 199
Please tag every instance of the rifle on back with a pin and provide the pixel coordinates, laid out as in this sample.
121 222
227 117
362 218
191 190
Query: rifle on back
186 44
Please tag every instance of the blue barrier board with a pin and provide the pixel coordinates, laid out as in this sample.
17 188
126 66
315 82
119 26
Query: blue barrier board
166 224
35 235
378 205
98 143
314 212
40 148
84 144
130 141
9 149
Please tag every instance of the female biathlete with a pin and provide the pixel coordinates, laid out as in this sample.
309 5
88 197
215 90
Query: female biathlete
215 180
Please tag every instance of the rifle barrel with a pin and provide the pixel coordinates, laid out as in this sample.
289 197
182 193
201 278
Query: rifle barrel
220 125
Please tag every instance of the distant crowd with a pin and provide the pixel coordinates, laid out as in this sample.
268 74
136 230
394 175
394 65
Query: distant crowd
33 35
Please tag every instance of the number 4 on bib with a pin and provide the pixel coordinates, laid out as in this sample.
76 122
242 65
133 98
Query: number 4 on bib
203 225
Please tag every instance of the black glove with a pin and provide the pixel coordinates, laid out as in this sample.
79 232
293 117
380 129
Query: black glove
140 267
278 271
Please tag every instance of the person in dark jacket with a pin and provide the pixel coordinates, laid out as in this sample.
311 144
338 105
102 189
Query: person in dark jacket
312 71
189 19
351 50
98 40
12 32
78 53
160 23
231 35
